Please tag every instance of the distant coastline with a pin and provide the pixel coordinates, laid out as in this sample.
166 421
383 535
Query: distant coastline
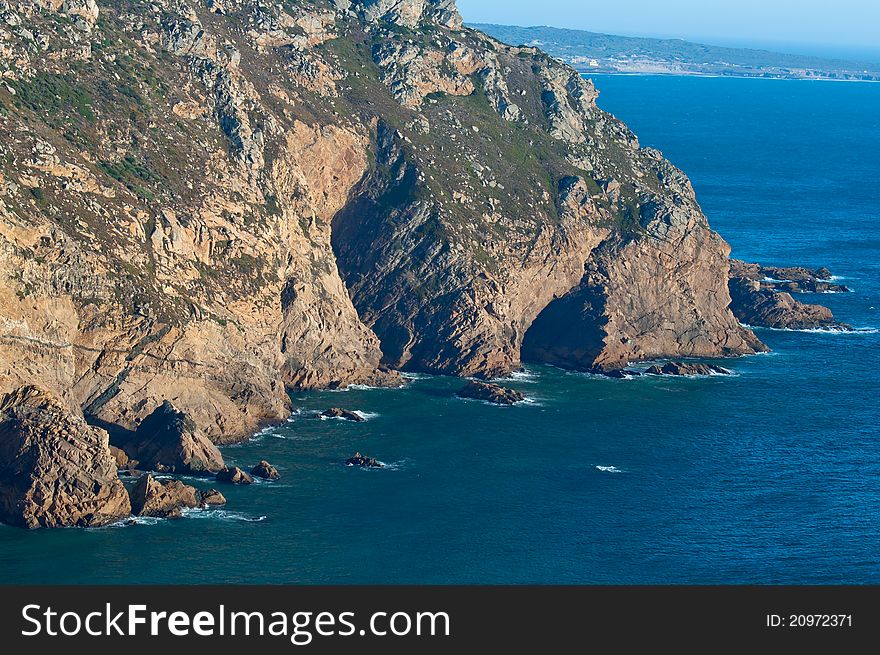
598 73
593 53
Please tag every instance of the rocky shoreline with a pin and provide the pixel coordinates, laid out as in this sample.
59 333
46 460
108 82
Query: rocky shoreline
761 297
56 470
343 191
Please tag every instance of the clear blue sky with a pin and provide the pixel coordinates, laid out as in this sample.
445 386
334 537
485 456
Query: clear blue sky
843 27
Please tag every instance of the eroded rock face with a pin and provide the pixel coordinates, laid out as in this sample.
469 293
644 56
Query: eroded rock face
490 393
55 469
410 13
300 194
162 498
644 298
169 441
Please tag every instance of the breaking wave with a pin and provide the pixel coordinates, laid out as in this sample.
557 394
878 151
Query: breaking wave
861 330
524 376
221 515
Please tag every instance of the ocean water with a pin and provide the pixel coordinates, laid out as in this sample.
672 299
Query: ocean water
769 476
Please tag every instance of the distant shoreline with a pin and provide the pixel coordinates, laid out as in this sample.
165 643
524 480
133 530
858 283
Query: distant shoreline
724 77
593 53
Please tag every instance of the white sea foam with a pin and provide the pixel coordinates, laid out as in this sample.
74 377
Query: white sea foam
609 469
416 376
364 415
220 514
835 331
136 520
534 402
383 466
524 376
299 411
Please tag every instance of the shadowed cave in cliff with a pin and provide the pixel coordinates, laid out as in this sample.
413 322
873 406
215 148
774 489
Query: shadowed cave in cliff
569 332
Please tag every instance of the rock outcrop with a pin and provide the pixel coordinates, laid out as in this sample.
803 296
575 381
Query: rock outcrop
490 393
363 461
344 414
759 307
621 374
162 498
169 441
790 280
265 471
300 195
234 475
55 469
680 369
212 498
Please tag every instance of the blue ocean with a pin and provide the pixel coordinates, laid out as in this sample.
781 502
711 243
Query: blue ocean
770 476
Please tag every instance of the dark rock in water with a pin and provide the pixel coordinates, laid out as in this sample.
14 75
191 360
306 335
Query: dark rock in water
234 475
211 498
162 498
680 369
344 414
790 280
758 307
55 469
168 440
621 374
491 393
364 462
804 287
265 470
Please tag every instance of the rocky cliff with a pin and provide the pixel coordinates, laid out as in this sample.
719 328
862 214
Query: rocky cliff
212 201
55 469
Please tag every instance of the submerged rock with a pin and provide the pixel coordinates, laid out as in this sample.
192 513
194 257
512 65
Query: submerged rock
168 440
162 498
686 370
363 461
211 498
55 469
234 475
335 412
491 393
266 471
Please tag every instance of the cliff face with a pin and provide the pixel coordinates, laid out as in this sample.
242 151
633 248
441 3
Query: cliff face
210 201
55 470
